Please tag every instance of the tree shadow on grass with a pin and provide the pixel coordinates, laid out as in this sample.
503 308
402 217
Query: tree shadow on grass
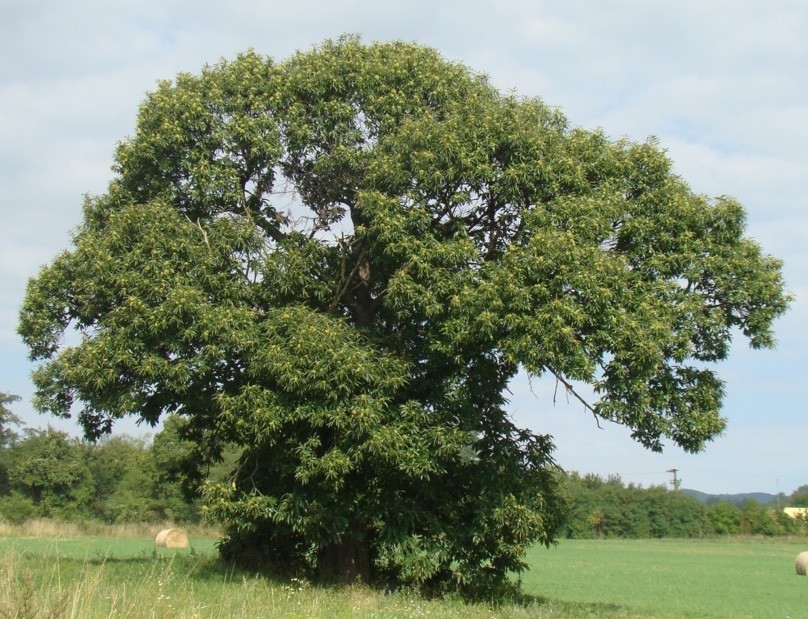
545 607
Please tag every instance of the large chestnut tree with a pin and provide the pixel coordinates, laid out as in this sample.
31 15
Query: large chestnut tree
338 262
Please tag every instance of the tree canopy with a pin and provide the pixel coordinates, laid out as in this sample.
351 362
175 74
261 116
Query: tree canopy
339 261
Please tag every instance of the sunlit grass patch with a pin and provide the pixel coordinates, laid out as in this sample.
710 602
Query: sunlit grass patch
676 578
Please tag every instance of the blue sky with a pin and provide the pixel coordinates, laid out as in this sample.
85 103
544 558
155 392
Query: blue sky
722 84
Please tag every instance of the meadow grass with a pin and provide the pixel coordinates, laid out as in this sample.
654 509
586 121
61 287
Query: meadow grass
740 577
70 573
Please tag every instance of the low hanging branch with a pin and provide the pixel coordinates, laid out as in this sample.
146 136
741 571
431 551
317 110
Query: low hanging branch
568 386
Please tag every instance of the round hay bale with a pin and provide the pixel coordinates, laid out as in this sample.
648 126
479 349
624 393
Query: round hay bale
171 538
802 563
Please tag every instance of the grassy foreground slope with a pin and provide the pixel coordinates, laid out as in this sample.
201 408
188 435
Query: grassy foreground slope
78 575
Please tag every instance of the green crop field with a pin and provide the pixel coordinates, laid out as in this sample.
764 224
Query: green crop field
675 578
78 575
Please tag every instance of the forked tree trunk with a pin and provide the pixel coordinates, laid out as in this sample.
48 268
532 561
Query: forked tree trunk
346 561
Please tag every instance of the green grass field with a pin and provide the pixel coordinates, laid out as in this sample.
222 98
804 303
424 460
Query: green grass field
674 578
77 575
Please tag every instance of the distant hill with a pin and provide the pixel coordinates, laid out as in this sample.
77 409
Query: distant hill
737 499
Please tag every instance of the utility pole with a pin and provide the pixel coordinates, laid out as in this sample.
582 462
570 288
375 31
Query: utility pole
676 482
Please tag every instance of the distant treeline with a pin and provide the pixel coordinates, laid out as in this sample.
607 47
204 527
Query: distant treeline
119 479
47 474
609 508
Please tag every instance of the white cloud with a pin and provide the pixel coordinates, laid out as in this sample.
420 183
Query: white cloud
769 186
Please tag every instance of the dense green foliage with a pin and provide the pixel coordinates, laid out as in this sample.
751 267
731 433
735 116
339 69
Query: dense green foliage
48 474
337 263
800 497
122 480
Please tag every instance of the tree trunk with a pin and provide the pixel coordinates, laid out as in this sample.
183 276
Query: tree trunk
345 561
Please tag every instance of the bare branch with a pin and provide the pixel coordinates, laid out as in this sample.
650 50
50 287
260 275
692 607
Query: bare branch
201 229
570 390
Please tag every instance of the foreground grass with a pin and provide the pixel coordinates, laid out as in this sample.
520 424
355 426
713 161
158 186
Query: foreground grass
68 573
